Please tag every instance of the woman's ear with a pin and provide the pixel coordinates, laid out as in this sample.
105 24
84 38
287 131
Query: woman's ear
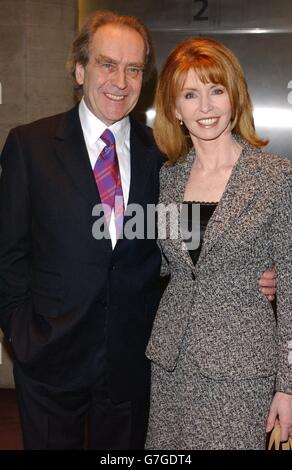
177 115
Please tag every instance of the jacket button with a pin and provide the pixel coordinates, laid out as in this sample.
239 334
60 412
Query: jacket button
193 276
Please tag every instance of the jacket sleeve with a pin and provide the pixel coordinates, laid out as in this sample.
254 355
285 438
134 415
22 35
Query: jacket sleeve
15 228
282 243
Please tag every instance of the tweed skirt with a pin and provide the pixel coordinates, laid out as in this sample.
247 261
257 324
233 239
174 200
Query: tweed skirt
191 411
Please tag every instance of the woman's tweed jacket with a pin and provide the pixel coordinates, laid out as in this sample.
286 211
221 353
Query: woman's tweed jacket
234 329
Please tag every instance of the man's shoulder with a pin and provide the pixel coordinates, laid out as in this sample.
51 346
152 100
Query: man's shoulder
47 125
145 136
142 130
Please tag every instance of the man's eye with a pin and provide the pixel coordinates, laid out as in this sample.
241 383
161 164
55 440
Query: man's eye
134 71
107 66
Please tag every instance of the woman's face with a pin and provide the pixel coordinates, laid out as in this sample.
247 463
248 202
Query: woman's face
204 108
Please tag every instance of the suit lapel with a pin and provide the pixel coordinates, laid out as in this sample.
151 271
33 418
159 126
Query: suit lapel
72 153
141 145
141 164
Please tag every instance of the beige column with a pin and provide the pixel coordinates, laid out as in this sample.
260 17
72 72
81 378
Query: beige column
35 39
35 36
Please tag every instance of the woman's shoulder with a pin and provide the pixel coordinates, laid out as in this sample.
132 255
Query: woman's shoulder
270 160
276 175
270 165
275 166
167 177
181 164
261 159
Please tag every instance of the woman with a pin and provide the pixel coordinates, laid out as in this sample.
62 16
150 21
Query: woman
221 364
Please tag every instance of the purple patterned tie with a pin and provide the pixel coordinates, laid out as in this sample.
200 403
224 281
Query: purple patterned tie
108 179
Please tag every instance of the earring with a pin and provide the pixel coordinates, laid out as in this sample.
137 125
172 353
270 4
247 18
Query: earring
181 122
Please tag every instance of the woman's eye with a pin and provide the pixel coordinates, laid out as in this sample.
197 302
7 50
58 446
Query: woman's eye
189 95
218 91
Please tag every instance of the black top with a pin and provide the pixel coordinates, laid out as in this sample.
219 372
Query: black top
197 225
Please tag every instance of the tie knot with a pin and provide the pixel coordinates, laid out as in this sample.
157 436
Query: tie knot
108 137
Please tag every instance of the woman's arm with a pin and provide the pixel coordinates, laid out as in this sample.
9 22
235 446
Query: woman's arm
281 407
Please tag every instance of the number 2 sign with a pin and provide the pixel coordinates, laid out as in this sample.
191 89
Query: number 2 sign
199 16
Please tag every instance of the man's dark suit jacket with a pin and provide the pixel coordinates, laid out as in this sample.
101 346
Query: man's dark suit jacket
62 292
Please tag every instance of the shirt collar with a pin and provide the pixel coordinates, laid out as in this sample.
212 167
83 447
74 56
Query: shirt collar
94 127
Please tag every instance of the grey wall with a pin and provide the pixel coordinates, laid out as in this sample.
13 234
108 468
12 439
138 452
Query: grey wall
258 31
34 39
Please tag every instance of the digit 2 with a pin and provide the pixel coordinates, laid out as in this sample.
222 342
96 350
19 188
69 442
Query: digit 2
199 16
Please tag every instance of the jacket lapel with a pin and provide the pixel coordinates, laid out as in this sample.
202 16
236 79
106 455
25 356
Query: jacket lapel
72 153
184 170
240 190
179 175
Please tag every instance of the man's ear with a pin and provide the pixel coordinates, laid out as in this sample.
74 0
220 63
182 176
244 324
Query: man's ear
79 73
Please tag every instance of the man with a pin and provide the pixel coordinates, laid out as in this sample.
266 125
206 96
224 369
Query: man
78 310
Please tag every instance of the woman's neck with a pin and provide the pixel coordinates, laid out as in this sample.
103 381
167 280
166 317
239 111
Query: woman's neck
216 154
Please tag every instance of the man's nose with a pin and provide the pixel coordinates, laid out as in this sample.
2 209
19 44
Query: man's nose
120 79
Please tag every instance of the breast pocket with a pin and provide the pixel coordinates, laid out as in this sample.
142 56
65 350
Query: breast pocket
47 293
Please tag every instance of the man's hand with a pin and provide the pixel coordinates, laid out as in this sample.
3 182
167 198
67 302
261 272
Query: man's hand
267 283
281 413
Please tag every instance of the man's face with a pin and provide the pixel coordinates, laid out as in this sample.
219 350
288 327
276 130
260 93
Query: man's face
112 78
